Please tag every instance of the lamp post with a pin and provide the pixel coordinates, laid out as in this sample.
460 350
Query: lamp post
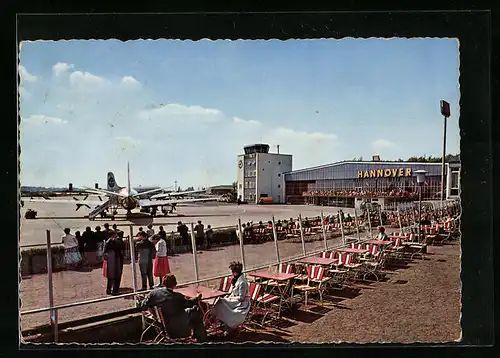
420 181
445 111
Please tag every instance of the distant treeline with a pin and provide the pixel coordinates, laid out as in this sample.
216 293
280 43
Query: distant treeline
422 159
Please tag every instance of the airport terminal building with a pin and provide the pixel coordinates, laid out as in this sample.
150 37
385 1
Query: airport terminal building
344 184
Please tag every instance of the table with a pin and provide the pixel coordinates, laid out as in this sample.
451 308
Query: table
315 260
380 242
207 294
402 237
282 289
351 250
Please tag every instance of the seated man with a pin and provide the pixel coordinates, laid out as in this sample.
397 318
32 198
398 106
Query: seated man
180 314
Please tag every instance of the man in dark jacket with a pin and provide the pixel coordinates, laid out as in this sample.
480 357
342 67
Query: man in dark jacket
114 251
181 315
183 230
147 252
89 238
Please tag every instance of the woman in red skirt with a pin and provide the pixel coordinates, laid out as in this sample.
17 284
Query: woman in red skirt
160 266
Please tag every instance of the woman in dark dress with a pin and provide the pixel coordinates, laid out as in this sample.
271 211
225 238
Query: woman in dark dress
114 252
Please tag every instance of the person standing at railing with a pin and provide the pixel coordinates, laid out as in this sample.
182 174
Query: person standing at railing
150 231
89 238
72 256
199 230
147 252
209 233
161 266
81 245
114 250
163 234
100 238
183 231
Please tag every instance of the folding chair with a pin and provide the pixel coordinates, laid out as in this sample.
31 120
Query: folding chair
315 283
282 268
259 296
153 321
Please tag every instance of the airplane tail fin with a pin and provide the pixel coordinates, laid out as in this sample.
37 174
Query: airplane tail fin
112 185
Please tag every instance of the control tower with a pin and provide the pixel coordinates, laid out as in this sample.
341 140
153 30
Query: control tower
260 174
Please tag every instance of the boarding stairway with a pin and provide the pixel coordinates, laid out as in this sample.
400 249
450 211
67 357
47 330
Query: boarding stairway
98 210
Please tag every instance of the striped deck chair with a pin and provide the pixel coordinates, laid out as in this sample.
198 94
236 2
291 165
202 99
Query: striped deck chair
315 283
263 302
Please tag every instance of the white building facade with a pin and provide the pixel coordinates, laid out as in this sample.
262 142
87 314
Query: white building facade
260 174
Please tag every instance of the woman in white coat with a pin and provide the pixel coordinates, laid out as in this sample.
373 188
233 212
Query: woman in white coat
233 309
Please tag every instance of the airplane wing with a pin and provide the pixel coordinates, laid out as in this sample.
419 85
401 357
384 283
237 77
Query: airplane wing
102 192
178 193
148 202
62 201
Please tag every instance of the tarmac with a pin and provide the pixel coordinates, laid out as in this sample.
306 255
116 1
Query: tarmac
55 217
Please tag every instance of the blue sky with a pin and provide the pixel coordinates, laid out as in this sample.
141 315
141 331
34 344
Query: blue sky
183 110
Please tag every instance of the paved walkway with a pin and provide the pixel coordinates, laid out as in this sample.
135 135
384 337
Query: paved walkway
75 286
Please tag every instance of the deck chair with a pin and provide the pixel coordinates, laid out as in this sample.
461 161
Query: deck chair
316 283
155 321
262 301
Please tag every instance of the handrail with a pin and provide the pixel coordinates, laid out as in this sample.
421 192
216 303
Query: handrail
104 299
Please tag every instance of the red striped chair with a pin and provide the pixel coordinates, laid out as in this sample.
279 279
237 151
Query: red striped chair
282 268
260 301
225 283
316 283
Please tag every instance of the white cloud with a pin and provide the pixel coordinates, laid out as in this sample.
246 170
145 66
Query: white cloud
127 140
79 78
244 121
42 119
179 111
25 75
382 143
61 67
130 81
300 135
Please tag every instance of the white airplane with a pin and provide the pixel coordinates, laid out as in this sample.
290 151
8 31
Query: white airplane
173 194
124 197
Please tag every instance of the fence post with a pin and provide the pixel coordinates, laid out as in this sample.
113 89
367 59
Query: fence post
341 226
400 224
302 235
195 258
369 221
323 229
53 313
240 237
275 236
357 224
132 257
